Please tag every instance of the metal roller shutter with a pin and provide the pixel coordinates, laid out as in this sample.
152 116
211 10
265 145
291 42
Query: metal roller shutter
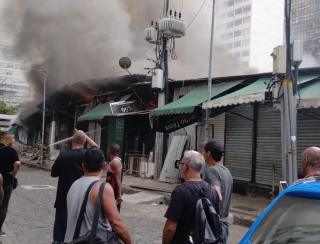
308 131
219 127
268 146
238 143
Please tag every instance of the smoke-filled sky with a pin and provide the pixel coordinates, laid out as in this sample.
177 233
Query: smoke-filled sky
76 40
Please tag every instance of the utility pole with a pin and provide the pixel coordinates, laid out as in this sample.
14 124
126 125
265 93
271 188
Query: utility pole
207 130
289 106
163 96
169 27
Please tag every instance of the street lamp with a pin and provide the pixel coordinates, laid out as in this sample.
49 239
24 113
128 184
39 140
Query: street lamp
210 74
44 72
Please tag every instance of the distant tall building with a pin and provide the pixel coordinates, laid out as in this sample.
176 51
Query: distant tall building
250 29
14 88
305 26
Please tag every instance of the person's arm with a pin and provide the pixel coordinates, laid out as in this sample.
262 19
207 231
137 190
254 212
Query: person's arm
16 167
89 141
116 168
111 212
173 214
169 231
1 189
15 159
213 178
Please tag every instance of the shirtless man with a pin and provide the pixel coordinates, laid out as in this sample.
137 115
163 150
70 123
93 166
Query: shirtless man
114 173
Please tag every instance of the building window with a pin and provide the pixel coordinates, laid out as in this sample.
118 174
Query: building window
230 14
238 22
237 44
230 24
246 9
236 54
245 42
230 3
237 33
238 11
245 53
246 32
229 35
246 20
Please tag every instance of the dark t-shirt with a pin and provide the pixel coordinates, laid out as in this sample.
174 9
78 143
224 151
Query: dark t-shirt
68 167
182 207
8 156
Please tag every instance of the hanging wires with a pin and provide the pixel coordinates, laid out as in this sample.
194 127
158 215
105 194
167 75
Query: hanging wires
197 13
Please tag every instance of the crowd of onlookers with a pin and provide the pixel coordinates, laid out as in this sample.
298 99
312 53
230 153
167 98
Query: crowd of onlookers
80 172
89 192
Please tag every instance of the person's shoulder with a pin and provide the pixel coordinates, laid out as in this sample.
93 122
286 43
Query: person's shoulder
180 188
224 169
71 153
116 162
8 150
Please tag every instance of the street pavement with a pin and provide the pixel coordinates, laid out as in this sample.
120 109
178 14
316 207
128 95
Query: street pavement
31 213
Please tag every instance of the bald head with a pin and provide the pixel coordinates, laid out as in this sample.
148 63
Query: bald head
311 160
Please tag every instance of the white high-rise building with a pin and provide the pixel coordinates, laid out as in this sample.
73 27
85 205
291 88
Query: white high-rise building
250 29
305 26
14 88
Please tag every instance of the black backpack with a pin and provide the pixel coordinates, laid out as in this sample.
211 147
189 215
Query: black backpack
207 227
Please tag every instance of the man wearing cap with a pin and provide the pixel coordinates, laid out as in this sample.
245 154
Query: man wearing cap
220 178
68 167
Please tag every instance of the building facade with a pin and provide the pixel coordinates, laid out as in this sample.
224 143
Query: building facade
306 27
13 84
250 29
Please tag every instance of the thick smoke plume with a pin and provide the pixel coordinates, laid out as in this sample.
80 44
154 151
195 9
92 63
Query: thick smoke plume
76 40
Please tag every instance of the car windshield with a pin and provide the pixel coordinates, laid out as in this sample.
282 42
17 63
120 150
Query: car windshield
292 220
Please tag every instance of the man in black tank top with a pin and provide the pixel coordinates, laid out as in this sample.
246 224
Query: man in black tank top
181 211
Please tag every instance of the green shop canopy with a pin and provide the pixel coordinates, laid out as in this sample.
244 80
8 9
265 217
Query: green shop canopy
309 94
97 113
254 92
191 100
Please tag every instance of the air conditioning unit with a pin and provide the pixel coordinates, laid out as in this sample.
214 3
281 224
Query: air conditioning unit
172 27
157 79
151 35
279 60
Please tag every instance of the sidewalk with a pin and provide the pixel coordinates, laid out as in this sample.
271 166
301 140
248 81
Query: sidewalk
243 210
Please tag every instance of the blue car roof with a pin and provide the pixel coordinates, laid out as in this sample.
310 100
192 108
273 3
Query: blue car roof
304 188
307 189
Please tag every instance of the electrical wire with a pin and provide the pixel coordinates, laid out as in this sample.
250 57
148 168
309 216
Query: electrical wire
196 15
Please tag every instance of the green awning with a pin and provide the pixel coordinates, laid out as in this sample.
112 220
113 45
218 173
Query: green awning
309 94
188 102
254 92
97 113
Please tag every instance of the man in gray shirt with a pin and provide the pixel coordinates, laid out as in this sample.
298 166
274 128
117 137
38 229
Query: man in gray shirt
93 167
220 178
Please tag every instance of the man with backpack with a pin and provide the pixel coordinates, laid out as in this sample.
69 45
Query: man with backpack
220 179
108 219
181 213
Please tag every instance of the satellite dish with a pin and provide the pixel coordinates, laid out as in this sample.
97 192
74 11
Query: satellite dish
125 62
